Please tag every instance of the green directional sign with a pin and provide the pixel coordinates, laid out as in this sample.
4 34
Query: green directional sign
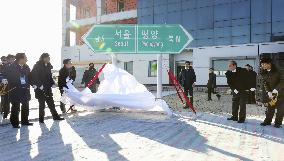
126 39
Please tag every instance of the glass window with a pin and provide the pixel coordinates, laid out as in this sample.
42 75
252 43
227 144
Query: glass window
120 5
87 12
221 65
152 69
128 66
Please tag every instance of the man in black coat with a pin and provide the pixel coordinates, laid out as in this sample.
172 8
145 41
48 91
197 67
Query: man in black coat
237 79
19 85
211 85
43 83
252 84
64 73
88 76
187 79
272 86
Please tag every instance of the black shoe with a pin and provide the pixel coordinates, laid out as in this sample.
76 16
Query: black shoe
265 124
27 124
232 118
16 126
41 121
59 118
241 121
277 125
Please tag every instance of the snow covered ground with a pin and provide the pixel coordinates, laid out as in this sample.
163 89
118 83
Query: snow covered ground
144 136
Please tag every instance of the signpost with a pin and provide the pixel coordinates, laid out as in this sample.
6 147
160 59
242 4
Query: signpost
139 39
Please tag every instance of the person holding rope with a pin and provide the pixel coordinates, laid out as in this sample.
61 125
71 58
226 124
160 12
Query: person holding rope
187 79
87 77
17 76
6 104
43 83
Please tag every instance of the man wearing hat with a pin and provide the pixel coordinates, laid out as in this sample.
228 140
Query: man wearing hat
187 79
43 83
211 84
252 84
271 87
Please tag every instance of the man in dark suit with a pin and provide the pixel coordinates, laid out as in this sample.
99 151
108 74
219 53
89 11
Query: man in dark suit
252 84
237 79
43 83
19 85
187 79
272 86
211 85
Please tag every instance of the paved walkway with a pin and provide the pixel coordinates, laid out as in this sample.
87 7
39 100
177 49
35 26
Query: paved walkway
122 136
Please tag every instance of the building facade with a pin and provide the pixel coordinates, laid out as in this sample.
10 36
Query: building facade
222 30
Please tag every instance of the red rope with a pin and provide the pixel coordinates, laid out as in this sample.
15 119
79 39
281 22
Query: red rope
173 83
179 87
96 76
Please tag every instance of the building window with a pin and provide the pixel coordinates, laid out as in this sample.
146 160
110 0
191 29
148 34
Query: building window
120 5
221 65
87 12
128 66
152 69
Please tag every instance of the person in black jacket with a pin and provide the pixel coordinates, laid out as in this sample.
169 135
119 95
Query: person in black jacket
73 73
237 79
88 76
211 85
19 86
272 86
43 83
187 79
252 84
64 73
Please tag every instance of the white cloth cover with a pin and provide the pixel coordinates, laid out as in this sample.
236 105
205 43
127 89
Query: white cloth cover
118 89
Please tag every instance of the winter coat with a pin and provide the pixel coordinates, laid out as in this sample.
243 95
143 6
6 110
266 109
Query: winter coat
18 83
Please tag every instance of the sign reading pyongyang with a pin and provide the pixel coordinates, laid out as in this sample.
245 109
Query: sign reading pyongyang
151 39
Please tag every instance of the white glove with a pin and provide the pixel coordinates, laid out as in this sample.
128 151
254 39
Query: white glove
4 81
54 86
270 94
275 91
34 86
236 91
252 89
41 87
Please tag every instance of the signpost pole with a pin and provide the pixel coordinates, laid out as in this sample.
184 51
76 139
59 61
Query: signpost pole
114 59
159 76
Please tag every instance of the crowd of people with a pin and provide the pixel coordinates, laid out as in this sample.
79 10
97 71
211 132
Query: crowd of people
16 79
242 82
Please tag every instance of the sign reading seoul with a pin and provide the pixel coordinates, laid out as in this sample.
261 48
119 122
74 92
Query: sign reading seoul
141 39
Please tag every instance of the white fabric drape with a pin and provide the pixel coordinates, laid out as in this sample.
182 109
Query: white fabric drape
118 89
